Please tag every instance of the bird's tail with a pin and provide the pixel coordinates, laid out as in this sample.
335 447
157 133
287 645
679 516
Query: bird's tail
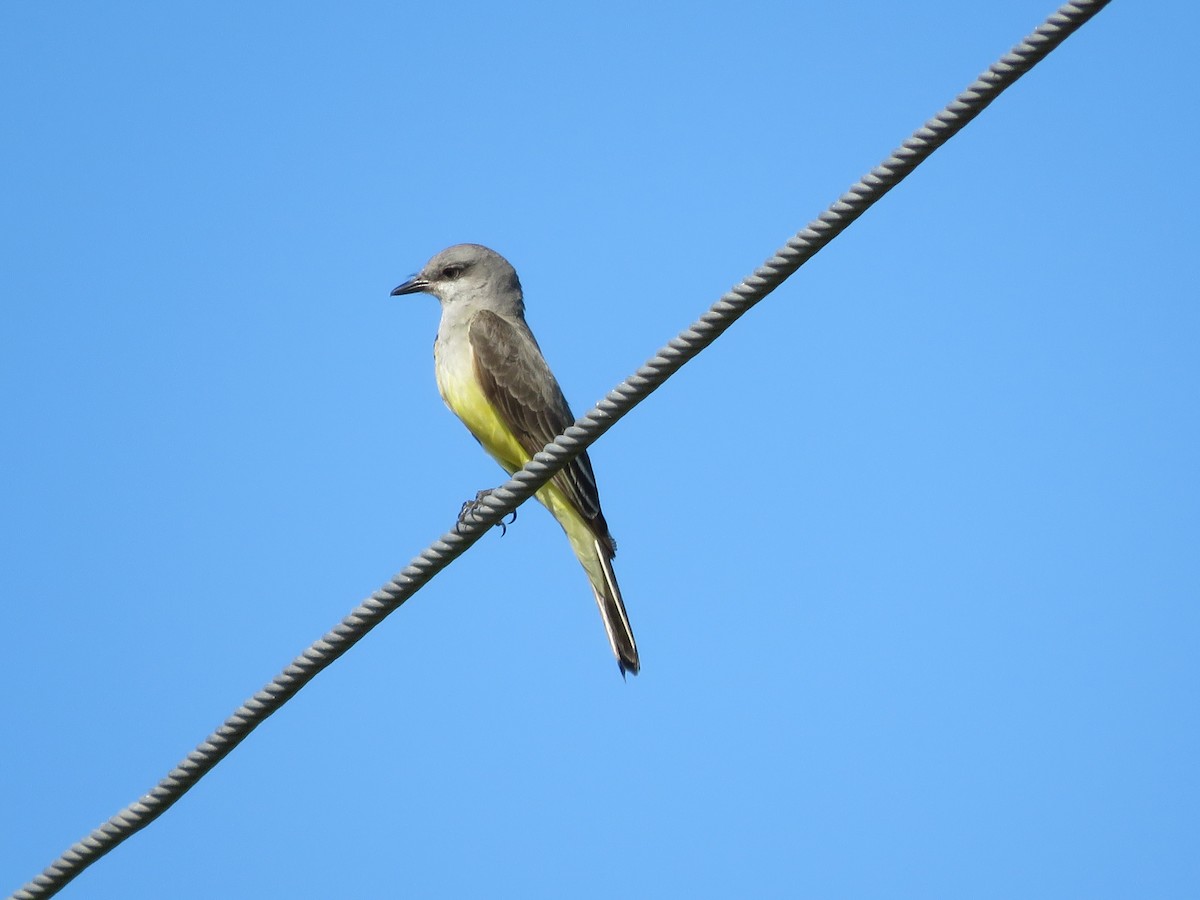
595 552
612 608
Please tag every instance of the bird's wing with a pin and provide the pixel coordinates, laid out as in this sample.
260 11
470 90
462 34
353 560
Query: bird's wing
518 383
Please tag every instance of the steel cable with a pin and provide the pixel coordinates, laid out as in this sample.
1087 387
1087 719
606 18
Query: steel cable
728 309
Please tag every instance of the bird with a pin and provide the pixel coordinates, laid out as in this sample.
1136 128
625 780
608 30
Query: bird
491 374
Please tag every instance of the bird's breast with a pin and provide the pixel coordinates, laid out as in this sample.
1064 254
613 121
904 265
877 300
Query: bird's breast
454 365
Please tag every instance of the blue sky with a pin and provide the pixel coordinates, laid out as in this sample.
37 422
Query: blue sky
910 552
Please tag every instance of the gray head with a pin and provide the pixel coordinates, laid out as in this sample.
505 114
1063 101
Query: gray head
469 274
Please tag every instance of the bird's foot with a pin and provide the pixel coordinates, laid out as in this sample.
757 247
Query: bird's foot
470 510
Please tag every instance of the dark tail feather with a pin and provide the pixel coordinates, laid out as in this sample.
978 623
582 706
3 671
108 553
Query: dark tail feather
616 620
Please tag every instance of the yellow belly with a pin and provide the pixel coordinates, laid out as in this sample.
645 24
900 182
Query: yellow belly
466 400
462 393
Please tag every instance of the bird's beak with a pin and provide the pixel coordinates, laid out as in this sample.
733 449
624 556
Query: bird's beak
414 285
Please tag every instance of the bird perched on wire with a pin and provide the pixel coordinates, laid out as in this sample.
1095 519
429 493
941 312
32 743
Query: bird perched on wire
491 373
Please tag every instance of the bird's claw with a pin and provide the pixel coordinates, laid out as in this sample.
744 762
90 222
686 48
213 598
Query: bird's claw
470 509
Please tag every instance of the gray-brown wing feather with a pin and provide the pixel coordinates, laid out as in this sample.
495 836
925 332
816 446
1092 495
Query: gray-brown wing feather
517 381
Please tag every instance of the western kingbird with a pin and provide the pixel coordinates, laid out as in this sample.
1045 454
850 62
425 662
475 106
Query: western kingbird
491 373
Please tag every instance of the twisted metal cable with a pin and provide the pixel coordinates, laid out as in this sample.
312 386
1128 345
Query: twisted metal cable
727 310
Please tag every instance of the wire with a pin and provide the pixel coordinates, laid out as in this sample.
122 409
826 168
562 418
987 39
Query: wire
727 310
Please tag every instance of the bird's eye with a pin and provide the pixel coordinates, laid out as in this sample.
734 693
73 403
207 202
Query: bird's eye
452 272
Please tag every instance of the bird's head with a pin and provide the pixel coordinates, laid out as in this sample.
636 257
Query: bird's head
467 272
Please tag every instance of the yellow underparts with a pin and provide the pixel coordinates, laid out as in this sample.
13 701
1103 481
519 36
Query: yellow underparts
467 401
